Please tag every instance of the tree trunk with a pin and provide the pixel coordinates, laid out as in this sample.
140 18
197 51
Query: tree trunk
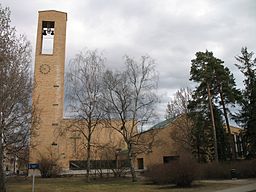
134 177
88 167
198 153
213 124
2 171
230 137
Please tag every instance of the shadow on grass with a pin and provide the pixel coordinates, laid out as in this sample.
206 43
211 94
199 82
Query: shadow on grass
194 186
75 179
173 186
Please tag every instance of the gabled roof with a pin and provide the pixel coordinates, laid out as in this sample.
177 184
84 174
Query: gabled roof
163 124
167 122
160 125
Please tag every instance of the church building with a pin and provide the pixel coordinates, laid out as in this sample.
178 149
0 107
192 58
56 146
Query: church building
68 147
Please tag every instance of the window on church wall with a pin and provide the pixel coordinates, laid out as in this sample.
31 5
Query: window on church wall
140 162
236 143
47 37
241 143
169 159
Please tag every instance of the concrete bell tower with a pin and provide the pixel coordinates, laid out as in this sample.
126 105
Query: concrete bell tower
48 93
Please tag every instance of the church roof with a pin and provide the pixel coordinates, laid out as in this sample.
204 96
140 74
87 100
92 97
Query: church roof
163 124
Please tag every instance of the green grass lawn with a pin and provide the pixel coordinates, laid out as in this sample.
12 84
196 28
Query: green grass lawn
78 184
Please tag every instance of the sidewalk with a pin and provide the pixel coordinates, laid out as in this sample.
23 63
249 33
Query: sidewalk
249 187
245 188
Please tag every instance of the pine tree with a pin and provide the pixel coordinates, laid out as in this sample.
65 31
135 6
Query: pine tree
216 88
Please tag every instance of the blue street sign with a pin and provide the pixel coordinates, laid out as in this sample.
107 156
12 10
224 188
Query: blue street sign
33 165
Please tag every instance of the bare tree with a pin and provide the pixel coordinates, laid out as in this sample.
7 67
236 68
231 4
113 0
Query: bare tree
129 100
84 89
15 92
111 157
182 133
179 103
177 109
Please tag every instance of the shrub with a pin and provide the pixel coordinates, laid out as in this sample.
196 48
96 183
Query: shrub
222 170
215 170
184 171
181 172
158 174
245 169
49 168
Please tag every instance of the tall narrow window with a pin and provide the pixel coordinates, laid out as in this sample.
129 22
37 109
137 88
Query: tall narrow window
47 37
140 163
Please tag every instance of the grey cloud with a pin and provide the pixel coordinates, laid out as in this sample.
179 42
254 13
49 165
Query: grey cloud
170 31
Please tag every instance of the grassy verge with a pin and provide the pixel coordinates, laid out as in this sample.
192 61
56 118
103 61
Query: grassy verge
78 184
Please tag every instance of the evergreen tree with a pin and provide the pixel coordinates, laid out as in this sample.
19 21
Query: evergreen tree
247 114
216 88
202 137
222 136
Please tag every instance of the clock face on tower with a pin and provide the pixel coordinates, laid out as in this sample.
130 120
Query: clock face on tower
44 68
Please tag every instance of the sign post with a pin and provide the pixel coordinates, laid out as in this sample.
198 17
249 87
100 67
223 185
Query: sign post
33 182
33 166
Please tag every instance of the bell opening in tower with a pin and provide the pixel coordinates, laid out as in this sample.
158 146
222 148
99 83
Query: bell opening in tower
47 37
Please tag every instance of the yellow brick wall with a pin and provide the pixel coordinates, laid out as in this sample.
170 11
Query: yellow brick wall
49 88
162 146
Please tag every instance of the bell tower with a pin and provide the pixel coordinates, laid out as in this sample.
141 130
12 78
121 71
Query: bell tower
48 94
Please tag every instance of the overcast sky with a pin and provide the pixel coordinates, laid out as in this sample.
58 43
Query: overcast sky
170 31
